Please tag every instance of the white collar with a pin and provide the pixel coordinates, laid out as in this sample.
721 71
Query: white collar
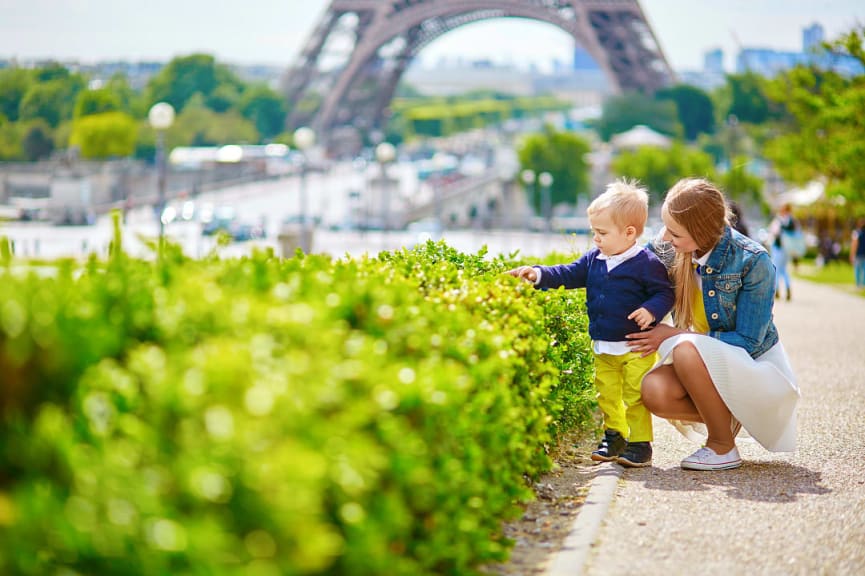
622 256
701 261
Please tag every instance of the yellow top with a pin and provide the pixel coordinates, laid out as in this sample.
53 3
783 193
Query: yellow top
699 322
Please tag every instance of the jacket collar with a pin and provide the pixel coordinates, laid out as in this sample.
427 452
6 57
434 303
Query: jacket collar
719 253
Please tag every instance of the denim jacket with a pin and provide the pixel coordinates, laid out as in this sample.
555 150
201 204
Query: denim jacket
738 292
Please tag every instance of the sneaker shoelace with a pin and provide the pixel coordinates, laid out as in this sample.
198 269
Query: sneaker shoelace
703 454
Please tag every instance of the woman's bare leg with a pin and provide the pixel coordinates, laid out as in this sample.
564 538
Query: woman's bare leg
665 396
693 376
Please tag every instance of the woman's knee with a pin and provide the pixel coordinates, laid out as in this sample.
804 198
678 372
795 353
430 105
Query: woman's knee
652 392
685 352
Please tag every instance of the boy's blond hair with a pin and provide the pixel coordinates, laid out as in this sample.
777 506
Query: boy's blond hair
626 202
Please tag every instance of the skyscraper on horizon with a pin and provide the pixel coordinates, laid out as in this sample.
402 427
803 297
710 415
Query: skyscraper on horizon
713 61
812 36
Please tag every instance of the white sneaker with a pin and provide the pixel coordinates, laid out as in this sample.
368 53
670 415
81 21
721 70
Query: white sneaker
706 459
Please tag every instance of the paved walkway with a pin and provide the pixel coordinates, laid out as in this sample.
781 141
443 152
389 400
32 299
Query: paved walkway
801 513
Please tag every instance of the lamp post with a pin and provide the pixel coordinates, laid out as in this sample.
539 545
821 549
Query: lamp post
304 139
545 179
384 155
161 117
440 164
528 178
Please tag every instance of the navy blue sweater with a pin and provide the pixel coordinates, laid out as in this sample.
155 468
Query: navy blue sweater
640 281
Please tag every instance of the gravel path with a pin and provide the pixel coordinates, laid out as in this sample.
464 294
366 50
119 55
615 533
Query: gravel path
801 513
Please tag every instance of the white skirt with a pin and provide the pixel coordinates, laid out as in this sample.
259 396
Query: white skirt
761 393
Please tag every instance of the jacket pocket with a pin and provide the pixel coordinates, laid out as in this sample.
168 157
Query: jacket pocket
728 287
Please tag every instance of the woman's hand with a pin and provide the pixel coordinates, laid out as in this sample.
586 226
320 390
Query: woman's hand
526 273
647 342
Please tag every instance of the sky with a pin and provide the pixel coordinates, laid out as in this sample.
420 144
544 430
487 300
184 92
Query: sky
273 31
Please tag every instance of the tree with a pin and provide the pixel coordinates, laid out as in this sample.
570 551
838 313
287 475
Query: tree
186 76
52 71
563 155
96 102
45 101
658 168
51 101
106 135
695 109
739 184
14 83
38 142
198 125
131 101
622 113
747 99
264 108
223 98
822 137
10 141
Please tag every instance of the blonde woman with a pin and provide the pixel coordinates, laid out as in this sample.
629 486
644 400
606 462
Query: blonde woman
722 366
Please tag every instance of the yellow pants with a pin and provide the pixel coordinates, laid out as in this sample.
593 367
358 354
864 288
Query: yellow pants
618 379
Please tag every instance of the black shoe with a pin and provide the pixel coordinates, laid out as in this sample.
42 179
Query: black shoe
610 447
636 455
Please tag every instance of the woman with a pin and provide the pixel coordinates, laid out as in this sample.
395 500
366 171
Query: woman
722 366
783 224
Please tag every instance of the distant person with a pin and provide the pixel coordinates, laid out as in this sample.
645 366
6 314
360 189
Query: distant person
627 289
737 218
827 250
857 253
784 230
722 365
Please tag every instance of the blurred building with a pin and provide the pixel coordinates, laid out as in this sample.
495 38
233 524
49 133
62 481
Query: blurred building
584 86
769 62
713 61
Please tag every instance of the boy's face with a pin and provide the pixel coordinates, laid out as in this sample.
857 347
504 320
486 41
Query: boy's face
609 237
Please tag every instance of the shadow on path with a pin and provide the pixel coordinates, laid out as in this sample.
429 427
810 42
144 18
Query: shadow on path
771 481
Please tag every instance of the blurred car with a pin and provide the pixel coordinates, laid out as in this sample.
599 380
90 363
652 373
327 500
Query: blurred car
238 231
224 220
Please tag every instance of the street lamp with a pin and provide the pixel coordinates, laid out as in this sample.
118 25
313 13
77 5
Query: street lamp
304 139
528 178
545 179
161 117
385 154
440 164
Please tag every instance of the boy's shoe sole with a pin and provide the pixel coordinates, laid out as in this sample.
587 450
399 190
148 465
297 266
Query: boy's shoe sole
628 464
611 447
636 455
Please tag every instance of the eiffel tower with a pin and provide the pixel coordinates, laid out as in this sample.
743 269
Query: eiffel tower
348 71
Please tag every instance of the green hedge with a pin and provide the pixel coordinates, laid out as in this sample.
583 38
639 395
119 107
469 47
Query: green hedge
270 416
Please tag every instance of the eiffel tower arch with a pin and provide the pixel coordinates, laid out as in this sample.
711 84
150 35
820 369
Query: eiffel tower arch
347 73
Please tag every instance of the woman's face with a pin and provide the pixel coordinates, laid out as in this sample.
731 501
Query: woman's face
676 234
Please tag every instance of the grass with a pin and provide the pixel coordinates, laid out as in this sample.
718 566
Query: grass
837 274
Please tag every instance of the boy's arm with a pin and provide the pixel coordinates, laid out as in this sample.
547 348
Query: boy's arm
657 284
571 275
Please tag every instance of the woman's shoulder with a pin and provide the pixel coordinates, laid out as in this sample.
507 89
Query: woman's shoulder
747 245
649 257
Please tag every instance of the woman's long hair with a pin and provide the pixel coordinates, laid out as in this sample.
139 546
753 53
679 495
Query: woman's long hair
701 209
